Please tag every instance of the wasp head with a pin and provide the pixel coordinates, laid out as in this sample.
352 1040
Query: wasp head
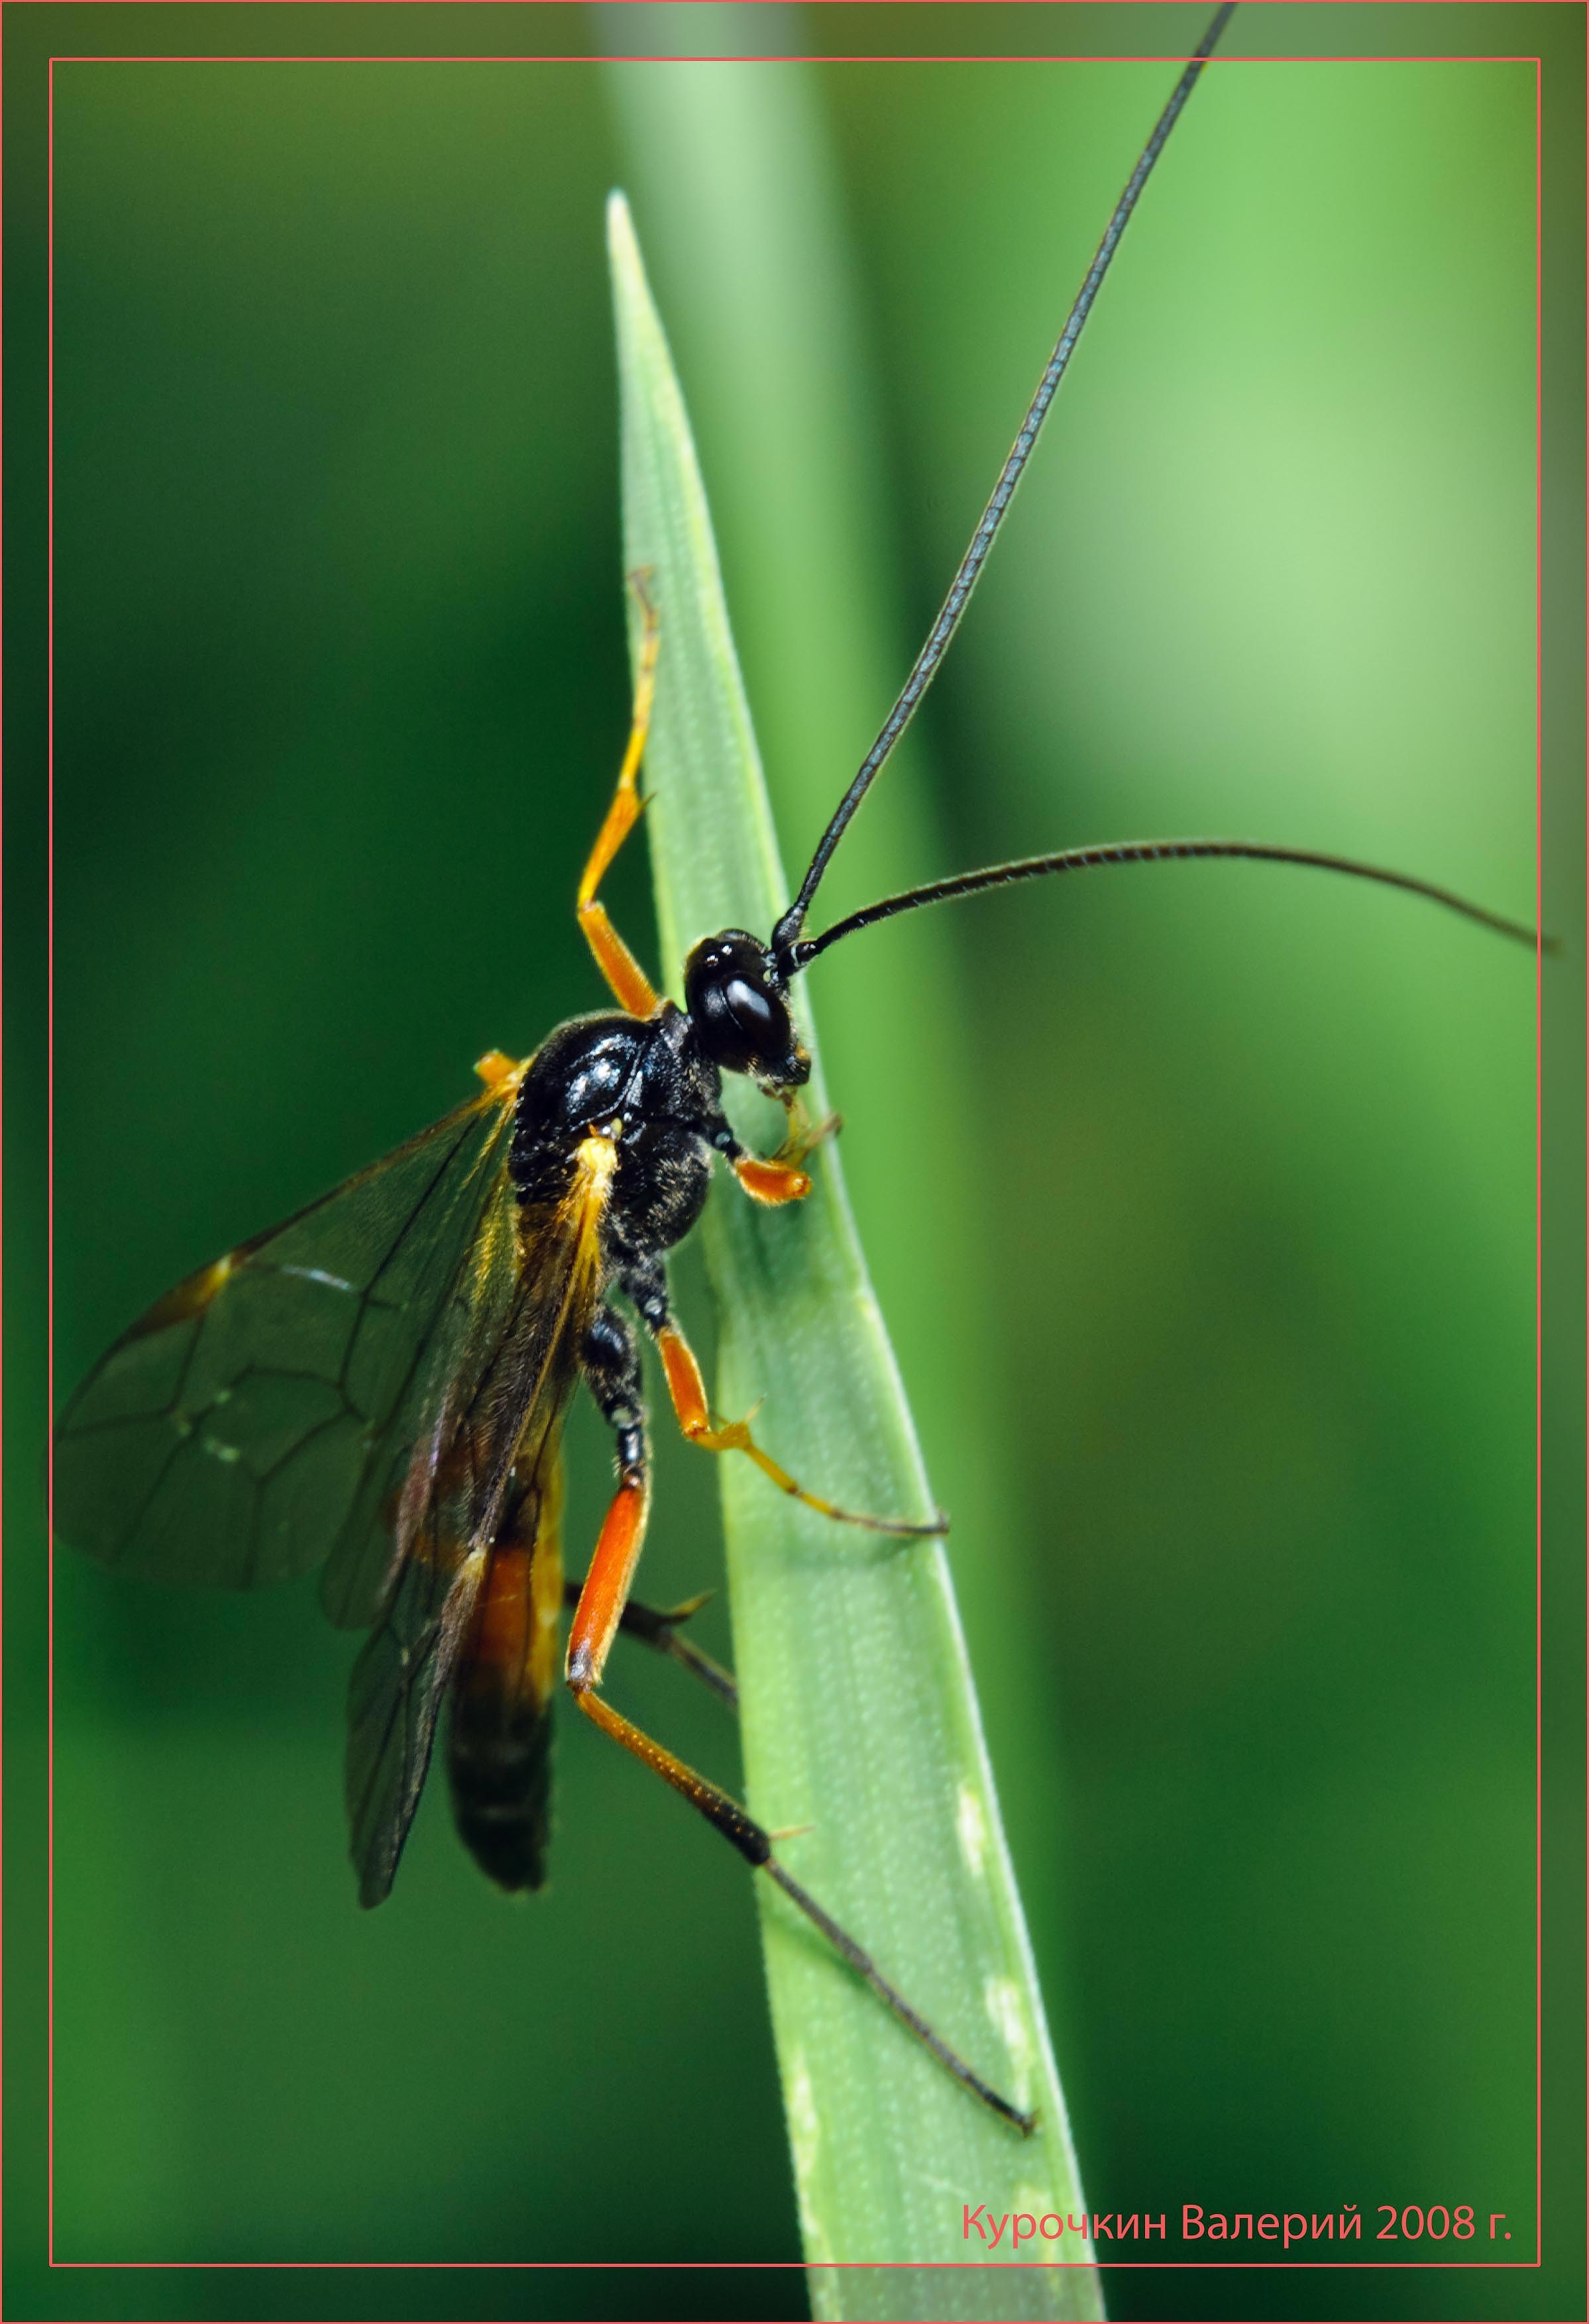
737 1004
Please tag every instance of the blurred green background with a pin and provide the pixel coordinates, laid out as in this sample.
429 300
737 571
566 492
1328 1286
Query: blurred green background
1200 1200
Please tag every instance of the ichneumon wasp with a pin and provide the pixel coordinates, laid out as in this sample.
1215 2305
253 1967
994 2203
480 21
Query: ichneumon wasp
380 1384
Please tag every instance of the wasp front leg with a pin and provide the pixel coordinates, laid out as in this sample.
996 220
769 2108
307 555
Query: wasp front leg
801 1135
777 1178
631 987
772 1182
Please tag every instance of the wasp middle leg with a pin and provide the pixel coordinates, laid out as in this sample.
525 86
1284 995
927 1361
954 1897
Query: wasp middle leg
648 1289
610 1365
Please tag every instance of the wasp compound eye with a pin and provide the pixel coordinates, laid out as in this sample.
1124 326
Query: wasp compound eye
758 1017
734 997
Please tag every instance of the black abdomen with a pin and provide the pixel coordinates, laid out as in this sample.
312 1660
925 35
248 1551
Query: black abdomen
500 1739
499 1762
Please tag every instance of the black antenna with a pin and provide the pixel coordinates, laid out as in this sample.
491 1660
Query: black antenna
1152 851
786 934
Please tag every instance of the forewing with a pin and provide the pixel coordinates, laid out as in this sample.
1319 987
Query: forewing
256 1414
397 1687
396 1493
490 1448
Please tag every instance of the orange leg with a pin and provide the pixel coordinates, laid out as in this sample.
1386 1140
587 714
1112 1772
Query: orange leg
603 1601
631 986
689 1393
780 1178
658 1626
771 1181
607 1577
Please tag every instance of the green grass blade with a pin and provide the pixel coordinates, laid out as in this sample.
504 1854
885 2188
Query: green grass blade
859 1716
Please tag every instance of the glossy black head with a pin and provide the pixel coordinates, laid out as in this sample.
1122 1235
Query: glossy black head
737 1004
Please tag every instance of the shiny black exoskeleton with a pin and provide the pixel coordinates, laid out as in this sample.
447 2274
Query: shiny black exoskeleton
738 997
648 1076
653 1084
659 1079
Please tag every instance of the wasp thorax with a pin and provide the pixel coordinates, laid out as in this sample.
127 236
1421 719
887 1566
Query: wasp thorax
735 999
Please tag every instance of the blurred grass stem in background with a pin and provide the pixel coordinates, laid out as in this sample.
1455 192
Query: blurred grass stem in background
859 1719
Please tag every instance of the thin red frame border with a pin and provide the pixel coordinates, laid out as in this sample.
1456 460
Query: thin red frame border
1098 2260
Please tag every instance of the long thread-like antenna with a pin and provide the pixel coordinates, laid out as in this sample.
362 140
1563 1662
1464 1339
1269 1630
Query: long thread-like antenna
786 934
1151 851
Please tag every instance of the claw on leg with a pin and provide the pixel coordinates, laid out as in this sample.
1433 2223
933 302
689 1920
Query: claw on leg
801 1135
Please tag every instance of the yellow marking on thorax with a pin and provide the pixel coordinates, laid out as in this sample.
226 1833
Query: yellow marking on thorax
595 1166
577 1214
595 1158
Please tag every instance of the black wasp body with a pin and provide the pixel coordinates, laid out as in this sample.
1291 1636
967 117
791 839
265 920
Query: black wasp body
642 1090
663 1098
651 1086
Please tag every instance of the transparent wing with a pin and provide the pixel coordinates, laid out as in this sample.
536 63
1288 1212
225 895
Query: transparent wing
255 1419
396 1690
492 1447
395 1500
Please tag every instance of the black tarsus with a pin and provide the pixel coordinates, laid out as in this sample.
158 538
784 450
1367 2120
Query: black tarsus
1156 851
865 1967
786 934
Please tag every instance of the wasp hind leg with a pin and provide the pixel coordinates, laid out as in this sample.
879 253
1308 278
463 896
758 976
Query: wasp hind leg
610 1362
658 1628
755 1845
611 1366
599 1616
631 986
